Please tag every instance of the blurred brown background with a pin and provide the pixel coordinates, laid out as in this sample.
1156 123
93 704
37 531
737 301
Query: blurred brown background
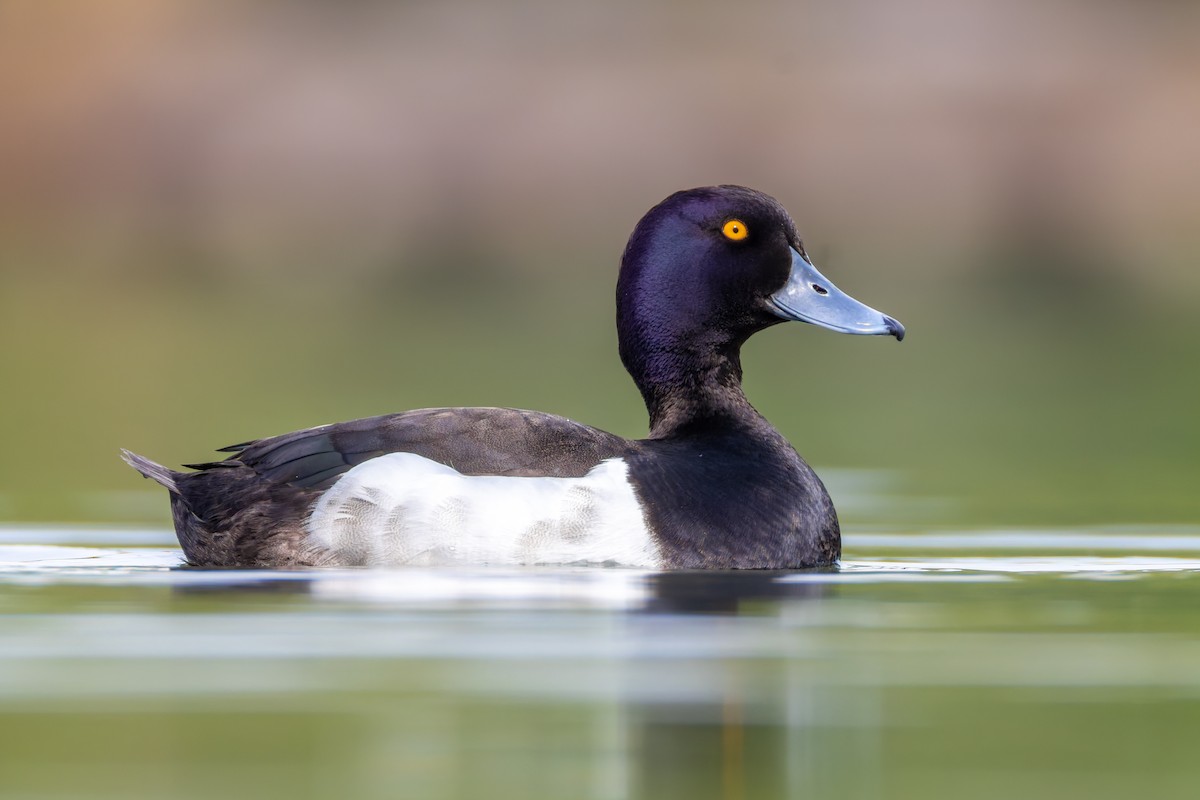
224 220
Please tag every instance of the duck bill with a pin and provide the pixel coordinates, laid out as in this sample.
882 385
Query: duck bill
808 296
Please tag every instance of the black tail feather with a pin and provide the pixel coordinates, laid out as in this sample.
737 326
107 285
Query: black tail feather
155 472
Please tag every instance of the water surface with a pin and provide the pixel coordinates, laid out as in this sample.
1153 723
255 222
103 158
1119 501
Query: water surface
1032 663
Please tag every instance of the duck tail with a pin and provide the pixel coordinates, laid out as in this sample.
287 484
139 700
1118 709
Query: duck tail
155 472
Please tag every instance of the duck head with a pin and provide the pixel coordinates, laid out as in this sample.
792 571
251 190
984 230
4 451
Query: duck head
704 270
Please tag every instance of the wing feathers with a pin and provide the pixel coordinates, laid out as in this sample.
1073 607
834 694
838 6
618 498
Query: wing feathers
478 441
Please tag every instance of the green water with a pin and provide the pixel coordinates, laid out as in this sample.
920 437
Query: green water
993 664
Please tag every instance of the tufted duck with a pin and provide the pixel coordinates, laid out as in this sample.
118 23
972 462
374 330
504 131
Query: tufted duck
713 486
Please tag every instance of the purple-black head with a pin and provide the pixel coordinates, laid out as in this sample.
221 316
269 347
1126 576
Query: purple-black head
708 267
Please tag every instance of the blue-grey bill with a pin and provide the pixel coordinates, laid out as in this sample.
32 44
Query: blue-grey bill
808 296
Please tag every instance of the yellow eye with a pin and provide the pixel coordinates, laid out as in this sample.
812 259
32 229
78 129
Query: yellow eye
735 229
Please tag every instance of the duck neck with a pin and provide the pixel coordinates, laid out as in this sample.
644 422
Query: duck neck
686 386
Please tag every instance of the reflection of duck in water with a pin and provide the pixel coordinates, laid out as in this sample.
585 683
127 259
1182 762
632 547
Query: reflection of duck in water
714 486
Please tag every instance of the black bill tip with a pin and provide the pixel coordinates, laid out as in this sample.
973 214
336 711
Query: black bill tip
894 328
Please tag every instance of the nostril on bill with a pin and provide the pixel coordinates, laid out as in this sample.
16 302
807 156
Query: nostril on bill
819 289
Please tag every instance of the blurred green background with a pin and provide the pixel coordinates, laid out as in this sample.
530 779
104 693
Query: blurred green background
223 221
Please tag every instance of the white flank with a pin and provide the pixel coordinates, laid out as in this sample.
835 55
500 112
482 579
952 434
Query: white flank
402 508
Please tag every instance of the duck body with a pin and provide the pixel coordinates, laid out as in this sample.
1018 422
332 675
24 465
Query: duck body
713 486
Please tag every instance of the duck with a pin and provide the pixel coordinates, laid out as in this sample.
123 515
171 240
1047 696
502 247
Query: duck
713 485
